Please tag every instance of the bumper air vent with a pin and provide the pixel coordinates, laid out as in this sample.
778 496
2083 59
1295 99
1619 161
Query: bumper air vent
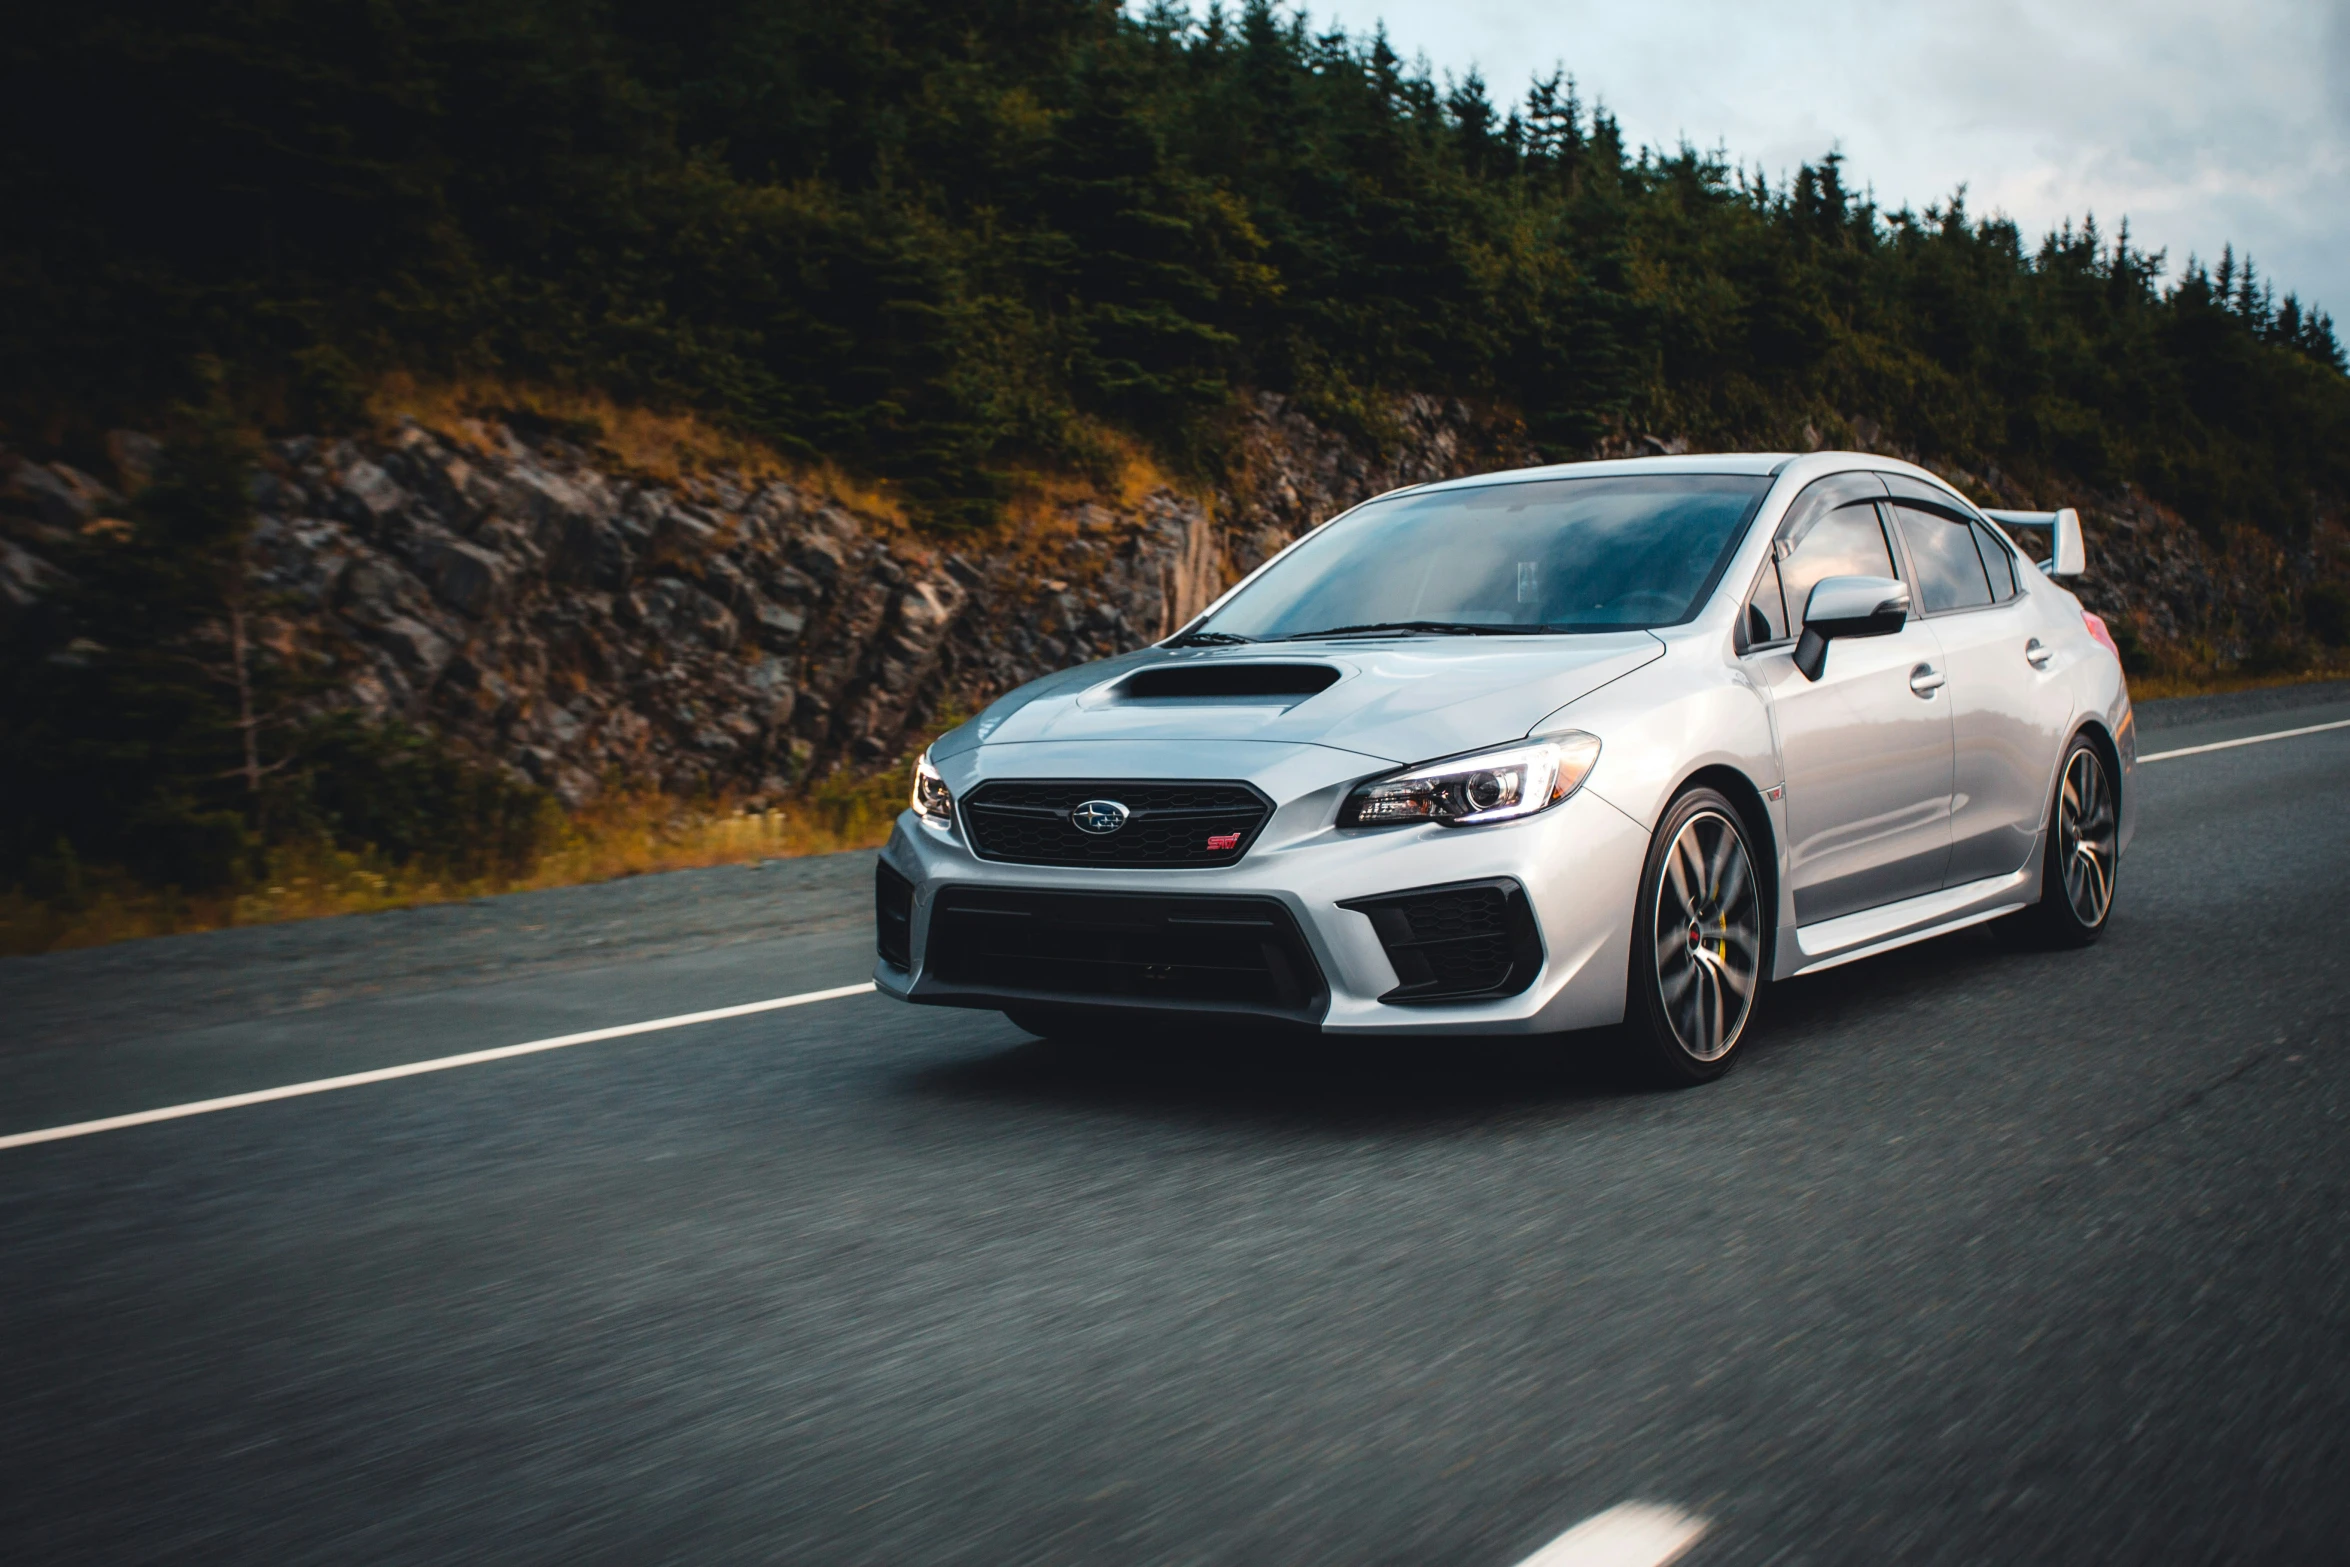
1229 680
1180 952
1167 824
1465 941
893 916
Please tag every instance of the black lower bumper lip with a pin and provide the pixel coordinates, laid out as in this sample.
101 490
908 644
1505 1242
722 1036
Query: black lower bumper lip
1146 952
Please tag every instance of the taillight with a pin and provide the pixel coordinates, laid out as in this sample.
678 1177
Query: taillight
2104 637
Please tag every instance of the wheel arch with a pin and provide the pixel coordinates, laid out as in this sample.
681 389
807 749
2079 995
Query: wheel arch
1741 792
2093 726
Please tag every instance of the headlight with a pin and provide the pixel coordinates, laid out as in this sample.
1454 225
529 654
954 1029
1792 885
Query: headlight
1485 786
932 798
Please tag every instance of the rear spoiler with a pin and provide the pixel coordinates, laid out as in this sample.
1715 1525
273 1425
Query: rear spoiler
2068 557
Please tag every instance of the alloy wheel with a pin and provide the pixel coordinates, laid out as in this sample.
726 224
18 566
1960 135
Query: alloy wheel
2085 837
1708 935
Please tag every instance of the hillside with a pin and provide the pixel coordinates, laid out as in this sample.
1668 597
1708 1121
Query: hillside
1006 332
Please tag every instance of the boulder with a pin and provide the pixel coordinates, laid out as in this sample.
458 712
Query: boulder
422 650
373 495
466 577
64 498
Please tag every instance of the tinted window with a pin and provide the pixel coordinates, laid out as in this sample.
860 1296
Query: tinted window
1942 550
1846 542
1997 561
1766 611
1775 610
1549 554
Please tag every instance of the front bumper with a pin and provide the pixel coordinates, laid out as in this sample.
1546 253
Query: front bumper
1578 865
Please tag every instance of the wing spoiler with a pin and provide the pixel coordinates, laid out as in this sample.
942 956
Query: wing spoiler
2068 556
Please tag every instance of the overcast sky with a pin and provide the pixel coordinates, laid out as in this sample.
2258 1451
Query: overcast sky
2200 122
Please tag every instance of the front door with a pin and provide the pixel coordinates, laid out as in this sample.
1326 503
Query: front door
2008 701
1865 750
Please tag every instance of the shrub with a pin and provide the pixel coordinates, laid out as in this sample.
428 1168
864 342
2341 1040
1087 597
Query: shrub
2326 608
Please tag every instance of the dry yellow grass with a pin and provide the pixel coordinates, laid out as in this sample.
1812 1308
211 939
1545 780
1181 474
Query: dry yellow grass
2155 688
667 445
1125 475
624 834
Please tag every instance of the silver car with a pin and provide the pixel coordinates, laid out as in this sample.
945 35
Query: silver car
1603 743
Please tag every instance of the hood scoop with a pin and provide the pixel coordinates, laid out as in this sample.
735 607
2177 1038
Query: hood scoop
1226 681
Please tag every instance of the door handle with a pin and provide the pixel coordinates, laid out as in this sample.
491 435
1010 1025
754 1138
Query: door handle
1925 681
2038 653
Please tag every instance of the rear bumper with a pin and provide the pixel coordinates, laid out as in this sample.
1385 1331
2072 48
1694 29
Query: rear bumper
1556 929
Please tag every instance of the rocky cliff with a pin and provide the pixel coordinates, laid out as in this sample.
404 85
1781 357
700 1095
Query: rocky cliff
721 633
581 625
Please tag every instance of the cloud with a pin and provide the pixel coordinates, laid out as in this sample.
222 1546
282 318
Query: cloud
2201 125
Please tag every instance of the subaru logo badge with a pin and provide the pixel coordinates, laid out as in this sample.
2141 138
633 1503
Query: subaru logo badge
1098 816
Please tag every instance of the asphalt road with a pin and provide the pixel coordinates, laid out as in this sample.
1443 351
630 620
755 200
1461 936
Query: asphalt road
1980 1256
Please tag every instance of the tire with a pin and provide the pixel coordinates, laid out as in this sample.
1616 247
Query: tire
1698 938
2082 853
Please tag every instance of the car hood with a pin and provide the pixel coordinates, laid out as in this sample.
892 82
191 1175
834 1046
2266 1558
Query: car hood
1400 701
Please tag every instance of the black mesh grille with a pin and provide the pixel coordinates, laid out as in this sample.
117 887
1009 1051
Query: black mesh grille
1027 822
1185 952
1459 942
893 916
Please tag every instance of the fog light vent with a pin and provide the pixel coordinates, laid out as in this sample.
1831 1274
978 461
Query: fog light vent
1464 941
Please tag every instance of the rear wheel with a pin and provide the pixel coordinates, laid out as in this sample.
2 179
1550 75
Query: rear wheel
1697 942
2083 852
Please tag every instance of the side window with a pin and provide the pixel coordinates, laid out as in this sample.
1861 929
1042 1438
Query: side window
1830 531
1766 611
1847 542
1997 561
1942 549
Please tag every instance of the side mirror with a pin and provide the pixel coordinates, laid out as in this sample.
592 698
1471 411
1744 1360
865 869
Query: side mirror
1848 607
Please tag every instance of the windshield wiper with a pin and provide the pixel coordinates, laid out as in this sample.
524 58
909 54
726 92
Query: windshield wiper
1206 639
1433 628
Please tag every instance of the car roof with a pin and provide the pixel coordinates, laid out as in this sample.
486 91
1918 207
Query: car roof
1806 465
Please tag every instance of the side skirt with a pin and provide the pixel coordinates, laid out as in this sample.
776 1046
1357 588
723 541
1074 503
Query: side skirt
1851 937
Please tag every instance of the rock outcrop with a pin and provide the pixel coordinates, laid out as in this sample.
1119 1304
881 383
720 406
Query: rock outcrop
580 625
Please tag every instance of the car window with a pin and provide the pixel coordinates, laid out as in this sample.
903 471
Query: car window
1831 531
1997 561
1942 551
1846 542
1590 554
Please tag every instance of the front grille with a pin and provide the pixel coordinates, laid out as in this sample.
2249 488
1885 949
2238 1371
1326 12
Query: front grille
1464 941
1169 824
1171 950
893 916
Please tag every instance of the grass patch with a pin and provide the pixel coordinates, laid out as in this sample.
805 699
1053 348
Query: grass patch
626 833
2156 688
670 447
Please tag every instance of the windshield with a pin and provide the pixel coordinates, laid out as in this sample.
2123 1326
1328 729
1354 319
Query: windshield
1544 555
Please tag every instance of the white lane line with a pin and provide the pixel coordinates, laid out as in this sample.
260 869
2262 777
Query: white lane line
2229 745
1629 1534
386 1074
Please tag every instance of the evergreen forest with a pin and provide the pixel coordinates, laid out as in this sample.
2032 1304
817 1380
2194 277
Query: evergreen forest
944 241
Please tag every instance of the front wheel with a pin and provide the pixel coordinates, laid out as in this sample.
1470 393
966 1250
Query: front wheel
2083 852
1697 942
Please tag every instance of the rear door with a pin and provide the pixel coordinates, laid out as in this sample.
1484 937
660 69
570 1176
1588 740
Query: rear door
1865 750
2008 708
